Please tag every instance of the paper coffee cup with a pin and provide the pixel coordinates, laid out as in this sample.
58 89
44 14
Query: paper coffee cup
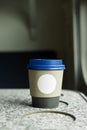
45 81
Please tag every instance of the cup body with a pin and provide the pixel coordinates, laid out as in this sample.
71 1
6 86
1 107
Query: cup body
45 81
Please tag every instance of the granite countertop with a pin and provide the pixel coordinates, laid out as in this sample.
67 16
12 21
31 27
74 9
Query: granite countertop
17 113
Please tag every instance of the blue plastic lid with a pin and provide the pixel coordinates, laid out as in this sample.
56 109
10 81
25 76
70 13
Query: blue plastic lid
46 64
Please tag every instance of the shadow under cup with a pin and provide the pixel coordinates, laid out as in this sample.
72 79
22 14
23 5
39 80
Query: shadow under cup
45 81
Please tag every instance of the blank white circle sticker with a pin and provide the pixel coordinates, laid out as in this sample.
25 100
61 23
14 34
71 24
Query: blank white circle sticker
46 83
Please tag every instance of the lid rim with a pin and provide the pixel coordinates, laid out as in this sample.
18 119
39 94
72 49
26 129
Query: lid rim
46 64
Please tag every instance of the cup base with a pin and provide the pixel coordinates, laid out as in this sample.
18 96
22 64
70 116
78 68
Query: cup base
51 102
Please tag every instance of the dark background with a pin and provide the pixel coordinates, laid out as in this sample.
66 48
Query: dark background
40 29
13 67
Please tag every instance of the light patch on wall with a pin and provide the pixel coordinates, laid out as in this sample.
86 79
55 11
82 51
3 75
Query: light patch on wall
14 34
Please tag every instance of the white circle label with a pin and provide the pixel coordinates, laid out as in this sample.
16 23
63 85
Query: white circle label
46 83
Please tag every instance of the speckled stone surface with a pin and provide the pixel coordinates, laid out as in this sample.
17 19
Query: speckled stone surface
17 113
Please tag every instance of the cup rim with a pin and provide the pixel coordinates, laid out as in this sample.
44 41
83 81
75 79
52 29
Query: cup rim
46 64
